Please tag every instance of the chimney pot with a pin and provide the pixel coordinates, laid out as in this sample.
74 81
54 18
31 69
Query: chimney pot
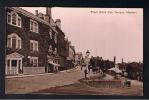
58 23
36 12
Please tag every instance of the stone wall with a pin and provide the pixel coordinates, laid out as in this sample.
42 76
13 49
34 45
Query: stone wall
104 83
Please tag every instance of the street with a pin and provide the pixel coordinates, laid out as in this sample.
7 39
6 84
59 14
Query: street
30 84
66 80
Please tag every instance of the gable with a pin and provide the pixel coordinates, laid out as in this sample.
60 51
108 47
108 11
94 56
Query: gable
14 55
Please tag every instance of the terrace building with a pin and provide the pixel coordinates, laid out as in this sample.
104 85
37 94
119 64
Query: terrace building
30 39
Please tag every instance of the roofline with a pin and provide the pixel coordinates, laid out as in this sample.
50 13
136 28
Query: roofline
60 30
31 15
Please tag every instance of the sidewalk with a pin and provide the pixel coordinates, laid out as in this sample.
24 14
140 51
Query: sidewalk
31 75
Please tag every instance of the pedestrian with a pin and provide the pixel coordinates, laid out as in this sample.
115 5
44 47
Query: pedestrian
123 80
85 73
89 67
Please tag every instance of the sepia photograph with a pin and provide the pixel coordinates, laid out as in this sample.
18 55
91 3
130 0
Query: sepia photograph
74 51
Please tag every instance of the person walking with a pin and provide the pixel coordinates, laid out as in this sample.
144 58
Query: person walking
85 73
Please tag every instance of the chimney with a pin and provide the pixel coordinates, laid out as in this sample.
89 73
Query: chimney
36 12
41 15
58 23
114 59
48 14
122 61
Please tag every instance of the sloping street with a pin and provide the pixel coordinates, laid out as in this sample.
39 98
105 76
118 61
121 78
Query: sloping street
33 83
64 83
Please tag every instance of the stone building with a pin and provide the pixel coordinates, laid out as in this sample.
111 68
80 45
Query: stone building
71 56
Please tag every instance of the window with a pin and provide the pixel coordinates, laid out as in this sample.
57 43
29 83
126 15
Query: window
33 45
55 38
50 32
9 42
50 49
14 63
19 21
33 26
9 18
55 51
19 43
34 61
14 41
8 63
14 19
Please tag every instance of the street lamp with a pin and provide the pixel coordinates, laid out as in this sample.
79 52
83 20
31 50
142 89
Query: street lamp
87 58
87 53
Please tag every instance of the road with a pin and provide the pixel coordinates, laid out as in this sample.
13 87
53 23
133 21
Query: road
25 85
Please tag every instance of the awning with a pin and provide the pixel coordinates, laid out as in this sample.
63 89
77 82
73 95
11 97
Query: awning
115 69
54 64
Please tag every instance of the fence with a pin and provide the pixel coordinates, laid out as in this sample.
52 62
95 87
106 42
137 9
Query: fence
33 70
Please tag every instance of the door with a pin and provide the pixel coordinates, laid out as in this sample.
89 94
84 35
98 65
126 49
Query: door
14 66
20 70
14 63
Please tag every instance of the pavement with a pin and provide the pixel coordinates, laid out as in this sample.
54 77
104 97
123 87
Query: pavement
29 75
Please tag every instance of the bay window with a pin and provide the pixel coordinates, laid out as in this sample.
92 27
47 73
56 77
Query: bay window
14 41
14 19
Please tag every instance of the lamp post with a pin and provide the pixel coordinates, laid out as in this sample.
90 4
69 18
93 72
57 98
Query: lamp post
87 58
87 53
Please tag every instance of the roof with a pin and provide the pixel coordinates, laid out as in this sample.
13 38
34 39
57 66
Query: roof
115 69
31 15
14 55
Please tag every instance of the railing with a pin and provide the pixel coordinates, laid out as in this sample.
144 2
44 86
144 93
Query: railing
33 70
26 70
12 71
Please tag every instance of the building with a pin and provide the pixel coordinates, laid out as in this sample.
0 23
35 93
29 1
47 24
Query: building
35 43
52 44
71 56
71 53
25 45
61 44
31 42
78 57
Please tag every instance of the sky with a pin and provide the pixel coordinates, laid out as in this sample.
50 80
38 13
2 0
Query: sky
105 32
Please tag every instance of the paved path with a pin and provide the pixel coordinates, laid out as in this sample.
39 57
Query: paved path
21 85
